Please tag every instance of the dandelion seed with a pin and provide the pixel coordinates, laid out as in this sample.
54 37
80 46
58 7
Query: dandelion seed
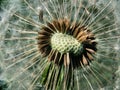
59 44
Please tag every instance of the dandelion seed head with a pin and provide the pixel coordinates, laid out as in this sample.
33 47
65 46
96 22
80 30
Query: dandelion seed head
59 44
63 37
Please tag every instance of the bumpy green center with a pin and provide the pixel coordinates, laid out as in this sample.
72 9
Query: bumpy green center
65 43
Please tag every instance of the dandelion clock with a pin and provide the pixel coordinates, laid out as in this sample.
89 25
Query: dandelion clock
59 44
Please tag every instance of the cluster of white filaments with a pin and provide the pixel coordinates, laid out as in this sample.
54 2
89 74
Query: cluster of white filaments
58 44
